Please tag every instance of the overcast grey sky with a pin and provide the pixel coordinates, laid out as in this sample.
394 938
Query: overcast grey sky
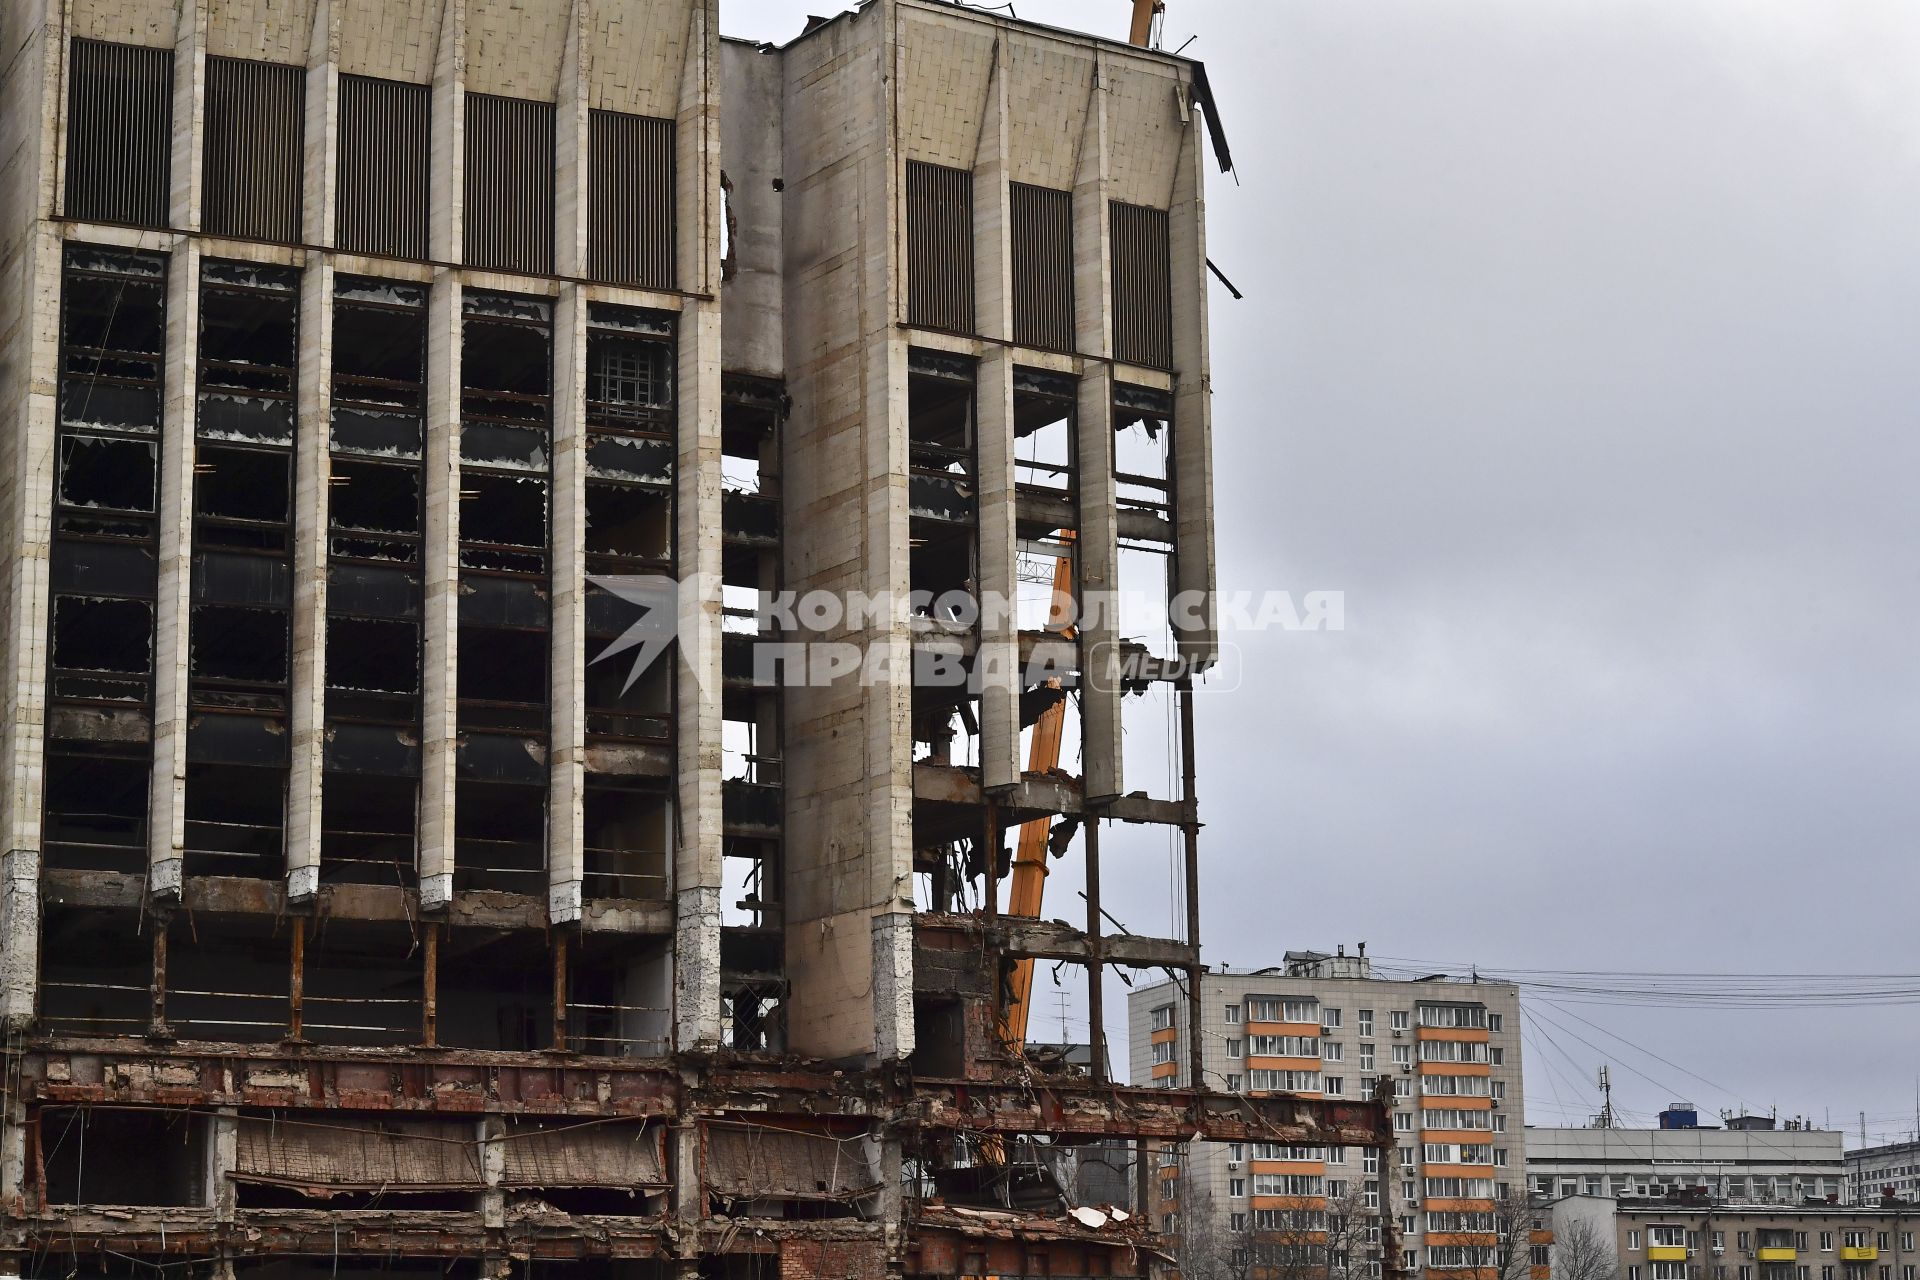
1579 351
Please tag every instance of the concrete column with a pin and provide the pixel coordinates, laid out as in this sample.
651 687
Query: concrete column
440 581
448 158
1098 550
318 170
491 1134
567 753
1193 557
571 147
998 667
1099 562
189 115
697 545
28 413
222 1155
166 801
307 691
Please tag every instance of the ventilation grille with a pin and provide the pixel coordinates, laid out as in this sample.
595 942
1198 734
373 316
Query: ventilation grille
509 184
119 133
630 217
256 116
1042 267
939 247
384 167
1142 287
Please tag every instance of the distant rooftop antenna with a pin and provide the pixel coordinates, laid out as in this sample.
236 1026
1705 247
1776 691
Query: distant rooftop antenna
1606 1100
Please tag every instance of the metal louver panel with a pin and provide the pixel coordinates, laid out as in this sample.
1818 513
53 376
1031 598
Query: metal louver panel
630 224
939 247
256 127
1042 267
384 166
1142 286
119 133
509 184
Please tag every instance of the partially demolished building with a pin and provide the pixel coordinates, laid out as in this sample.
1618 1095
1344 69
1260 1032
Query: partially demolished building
376 376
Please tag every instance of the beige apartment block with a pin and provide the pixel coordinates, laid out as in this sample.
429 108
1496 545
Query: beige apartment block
1441 1055
419 850
1693 1236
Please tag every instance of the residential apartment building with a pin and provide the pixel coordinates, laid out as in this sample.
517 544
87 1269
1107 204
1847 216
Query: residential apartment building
1690 1236
407 861
1891 1170
1445 1054
1749 1162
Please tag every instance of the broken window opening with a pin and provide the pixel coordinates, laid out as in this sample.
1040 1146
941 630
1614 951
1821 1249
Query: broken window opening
230 984
628 701
235 813
506 433
750 897
1145 579
753 1012
750 737
751 410
1143 451
494 990
1037 750
940 484
249 358
368 828
1150 741
96 972
620 996
379 367
134 1156
95 804
627 839
363 983
500 834
946 726
1047 512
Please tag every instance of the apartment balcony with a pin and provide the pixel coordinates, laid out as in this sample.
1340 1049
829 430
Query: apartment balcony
1858 1253
1666 1253
1775 1253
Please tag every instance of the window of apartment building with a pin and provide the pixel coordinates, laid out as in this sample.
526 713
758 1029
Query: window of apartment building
1826 1242
1236 1222
1453 1016
1399 1019
1231 1014
1142 285
508 210
103 571
1370 1160
1336 1154
255 123
1497 1090
1800 1240
1499 1123
1370 1194
1331 1051
1284 1046
1402 1055
1336 1188
1880 1240
1042 237
1236 1047
384 148
1669 1271
1459 1188
1453 1051
1454 1086
1742 1238
1161 1018
1237 1188
1494 1022
939 247
375 523
1744 1273
1262 1080
1289 1184
119 133
1329 1019
1403 1121
1906 1240
1164 1051
503 682
240 639
1496 1055
630 190
1366 1057
1633 1273
1666 1237
1300 1011
1500 1161
1336 1086
1363 1019
1233 1082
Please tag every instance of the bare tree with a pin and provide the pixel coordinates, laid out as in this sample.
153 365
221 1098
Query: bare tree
1583 1251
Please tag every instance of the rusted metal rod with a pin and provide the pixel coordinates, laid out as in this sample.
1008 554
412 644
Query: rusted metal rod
430 988
297 982
1096 997
559 991
157 986
1190 827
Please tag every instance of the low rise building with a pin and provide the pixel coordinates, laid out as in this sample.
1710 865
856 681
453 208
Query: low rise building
1690 1236
1888 1171
1750 1161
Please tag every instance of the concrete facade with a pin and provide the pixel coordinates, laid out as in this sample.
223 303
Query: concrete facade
350 892
1699 1238
1739 1166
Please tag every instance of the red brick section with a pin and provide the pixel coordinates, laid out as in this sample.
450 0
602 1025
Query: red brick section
833 1260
